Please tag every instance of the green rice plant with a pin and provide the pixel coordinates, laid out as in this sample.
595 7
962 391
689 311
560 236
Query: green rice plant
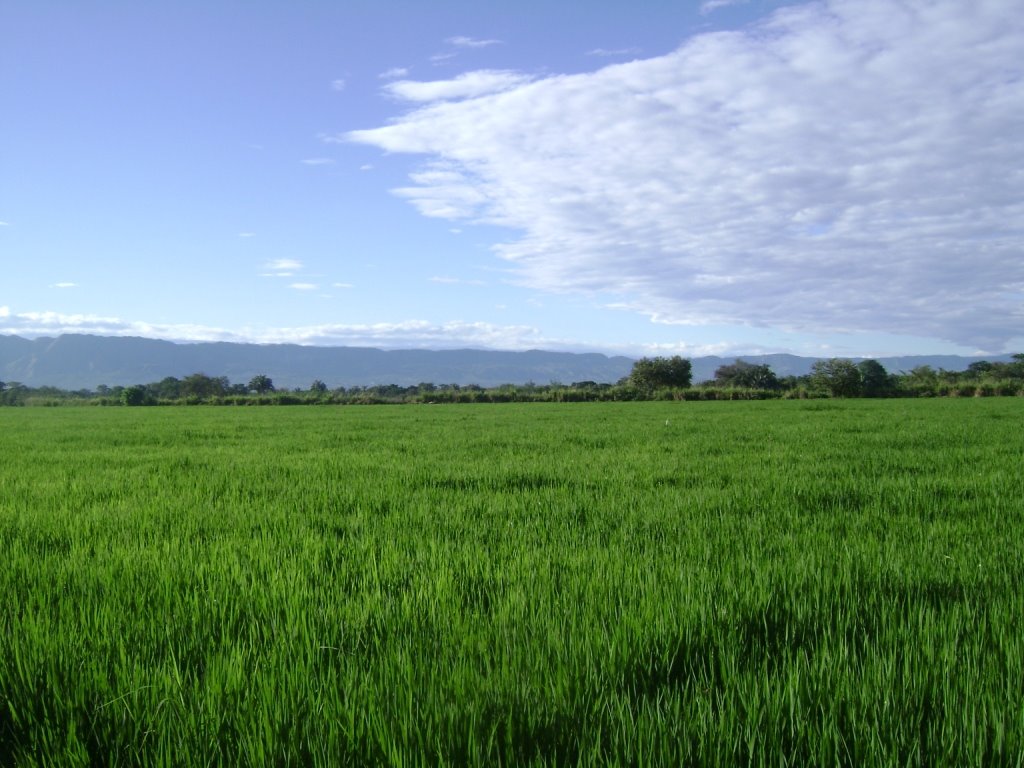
786 582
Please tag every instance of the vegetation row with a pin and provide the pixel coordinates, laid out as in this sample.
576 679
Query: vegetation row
656 378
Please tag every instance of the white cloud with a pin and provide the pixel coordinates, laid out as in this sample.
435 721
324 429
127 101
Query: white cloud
416 334
305 286
5 224
409 334
318 161
393 73
454 280
338 85
468 85
605 52
278 265
468 42
366 167
713 5
51 323
247 234
342 285
847 165
440 58
64 285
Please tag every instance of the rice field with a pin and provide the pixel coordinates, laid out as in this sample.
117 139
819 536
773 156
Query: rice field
780 583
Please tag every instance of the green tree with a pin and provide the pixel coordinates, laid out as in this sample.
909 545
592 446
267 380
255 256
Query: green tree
658 372
744 374
979 369
135 395
168 388
1014 370
261 384
14 393
837 376
203 387
318 387
875 381
923 374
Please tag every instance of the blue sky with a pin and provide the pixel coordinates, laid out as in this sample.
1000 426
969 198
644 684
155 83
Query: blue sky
840 177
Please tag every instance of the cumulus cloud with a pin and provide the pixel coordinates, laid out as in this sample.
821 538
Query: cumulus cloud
713 5
467 85
305 286
393 73
55 323
446 280
64 285
409 334
845 165
606 52
461 41
338 85
283 265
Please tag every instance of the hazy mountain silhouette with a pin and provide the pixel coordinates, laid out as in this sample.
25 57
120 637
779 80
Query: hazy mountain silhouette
76 361
84 362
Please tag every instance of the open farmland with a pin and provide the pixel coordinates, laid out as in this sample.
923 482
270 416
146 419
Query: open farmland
783 583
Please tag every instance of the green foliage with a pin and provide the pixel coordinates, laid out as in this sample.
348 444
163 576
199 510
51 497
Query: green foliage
199 386
261 384
136 395
875 381
744 374
837 376
657 372
787 583
13 393
651 380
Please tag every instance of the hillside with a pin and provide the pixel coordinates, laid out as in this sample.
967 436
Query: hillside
84 362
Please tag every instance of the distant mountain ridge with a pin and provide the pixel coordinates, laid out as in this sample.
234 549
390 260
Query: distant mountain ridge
77 361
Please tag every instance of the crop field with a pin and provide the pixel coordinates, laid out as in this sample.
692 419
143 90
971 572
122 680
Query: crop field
765 583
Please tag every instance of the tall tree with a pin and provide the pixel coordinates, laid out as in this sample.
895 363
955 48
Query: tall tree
875 381
261 384
657 372
744 374
137 394
201 386
838 376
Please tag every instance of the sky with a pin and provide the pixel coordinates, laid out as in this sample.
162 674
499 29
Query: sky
825 177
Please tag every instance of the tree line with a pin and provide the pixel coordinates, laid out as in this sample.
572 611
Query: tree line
651 378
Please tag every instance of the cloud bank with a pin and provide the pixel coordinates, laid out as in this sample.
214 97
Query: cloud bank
409 334
468 85
849 165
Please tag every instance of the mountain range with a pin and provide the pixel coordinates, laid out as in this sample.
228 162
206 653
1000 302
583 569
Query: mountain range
78 361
